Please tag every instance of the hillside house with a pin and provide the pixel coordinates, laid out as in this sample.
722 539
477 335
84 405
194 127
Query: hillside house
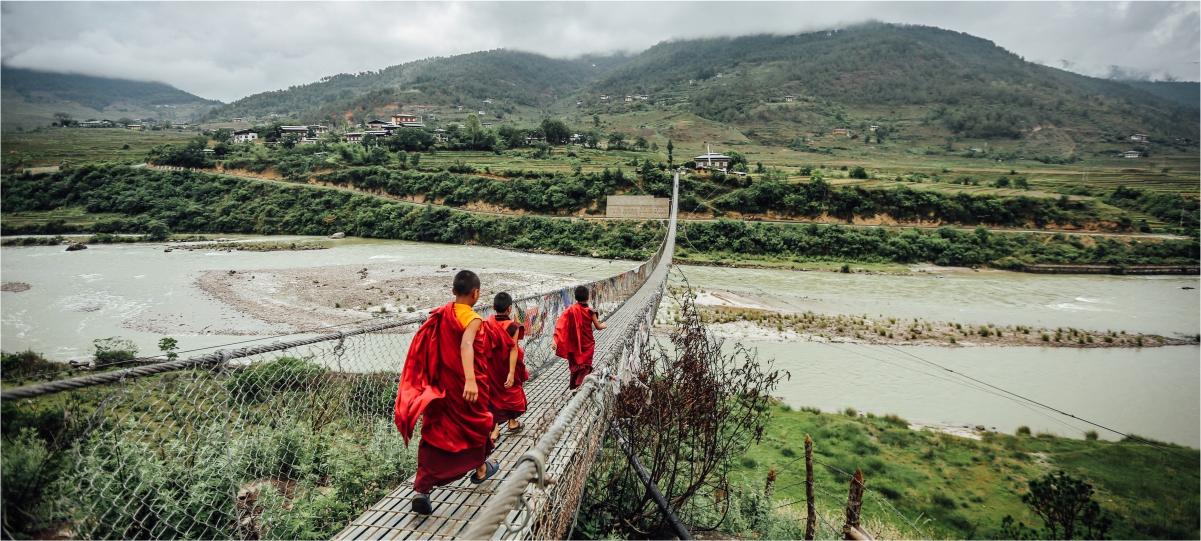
378 133
629 97
481 113
718 75
488 101
1142 138
307 141
376 124
244 136
1131 154
788 99
401 118
644 97
605 97
318 129
578 102
713 161
95 124
839 131
354 137
302 131
873 128
239 119
532 140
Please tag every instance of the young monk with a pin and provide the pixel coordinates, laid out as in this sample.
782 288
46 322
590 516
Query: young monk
573 337
506 365
445 380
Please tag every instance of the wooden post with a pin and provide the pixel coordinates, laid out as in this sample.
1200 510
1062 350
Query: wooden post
852 530
811 520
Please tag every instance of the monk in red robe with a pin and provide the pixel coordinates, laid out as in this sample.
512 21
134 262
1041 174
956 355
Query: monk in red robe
506 365
573 337
445 381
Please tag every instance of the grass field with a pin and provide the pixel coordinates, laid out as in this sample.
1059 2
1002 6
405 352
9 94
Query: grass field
954 487
72 216
55 146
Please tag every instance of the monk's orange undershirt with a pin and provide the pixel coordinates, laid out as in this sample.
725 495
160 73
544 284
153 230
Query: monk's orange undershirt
465 314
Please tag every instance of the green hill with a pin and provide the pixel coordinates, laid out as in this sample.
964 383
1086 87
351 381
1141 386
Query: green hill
30 98
510 78
960 85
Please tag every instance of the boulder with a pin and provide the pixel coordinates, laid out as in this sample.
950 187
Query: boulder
75 246
338 235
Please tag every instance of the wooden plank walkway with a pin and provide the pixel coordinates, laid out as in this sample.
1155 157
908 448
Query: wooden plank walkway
456 505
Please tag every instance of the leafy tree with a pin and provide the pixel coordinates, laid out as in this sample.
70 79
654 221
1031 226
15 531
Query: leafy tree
640 143
169 345
474 128
595 121
670 148
64 119
289 141
157 231
555 131
654 147
369 140
616 141
1021 183
222 135
737 160
1066 506
415 160
113 350
125 121
859 172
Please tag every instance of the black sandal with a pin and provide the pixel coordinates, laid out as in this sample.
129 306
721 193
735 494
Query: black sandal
422 504
491 468
520 426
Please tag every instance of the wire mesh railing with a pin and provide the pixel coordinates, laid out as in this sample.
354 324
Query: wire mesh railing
286 440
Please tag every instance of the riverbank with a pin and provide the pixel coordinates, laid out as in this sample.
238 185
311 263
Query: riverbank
733 316
299 298
962 487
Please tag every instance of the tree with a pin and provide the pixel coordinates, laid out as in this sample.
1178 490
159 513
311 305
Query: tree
595 121
859 172
1021 183
670 147
654 147
1066 506
369 140
556 132
737 160
222 135
124 121
168 346
640 143
64 119
474 128
157 231
616 141
415 160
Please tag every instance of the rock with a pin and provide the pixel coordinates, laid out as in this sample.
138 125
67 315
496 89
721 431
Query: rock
168 249
231 273
75 246
15 287
980 427
338 235
595 254
442 267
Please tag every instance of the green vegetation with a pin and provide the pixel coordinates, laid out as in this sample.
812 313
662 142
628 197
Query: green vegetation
185 201
303 470
734 240
963 488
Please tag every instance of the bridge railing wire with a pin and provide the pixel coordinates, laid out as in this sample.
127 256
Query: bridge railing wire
283 440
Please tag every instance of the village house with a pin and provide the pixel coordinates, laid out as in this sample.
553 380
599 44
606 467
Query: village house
713 161
1131 154
604 97
788 99
481 113
532 140
718 75
354 137
839 131
488 101
873 128
1142 138
302 131
95 124
376 124
244 136
401 118
318 129
307 141
377 133
629 97
239 119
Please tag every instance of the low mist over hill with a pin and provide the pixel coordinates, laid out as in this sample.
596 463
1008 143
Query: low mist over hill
777 90
32 97
511 78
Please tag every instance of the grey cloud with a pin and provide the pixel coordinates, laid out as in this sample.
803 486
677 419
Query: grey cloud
229 50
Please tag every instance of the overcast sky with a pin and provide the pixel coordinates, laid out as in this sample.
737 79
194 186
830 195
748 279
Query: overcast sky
226 51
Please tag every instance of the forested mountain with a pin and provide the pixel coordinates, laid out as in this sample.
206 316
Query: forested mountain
31 97
969 85
509 78
1184 92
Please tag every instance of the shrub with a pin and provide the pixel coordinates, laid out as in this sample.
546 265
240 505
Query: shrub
944 501
283 374
113 350
1091 435
850 412
1022 431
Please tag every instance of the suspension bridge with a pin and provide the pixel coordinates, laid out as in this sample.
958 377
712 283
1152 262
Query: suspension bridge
225 444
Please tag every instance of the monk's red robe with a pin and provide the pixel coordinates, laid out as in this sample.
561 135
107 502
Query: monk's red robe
454 432
505 404
574 341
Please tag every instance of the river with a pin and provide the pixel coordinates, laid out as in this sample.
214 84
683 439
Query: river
80 296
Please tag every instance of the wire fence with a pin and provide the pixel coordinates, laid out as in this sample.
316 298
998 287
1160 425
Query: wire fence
286 440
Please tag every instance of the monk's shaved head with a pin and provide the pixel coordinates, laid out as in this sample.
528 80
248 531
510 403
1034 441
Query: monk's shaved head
581 293
466 282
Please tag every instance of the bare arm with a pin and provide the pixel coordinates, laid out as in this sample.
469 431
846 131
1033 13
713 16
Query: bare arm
596 322
512 364
467 351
